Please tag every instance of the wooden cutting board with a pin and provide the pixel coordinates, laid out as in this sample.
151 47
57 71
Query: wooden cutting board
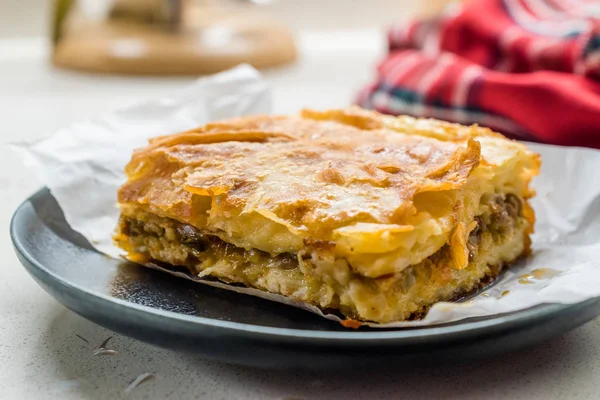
207 41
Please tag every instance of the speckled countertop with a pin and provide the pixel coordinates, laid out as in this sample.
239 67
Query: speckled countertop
41 355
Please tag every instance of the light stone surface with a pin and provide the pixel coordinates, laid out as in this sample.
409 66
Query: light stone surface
40 354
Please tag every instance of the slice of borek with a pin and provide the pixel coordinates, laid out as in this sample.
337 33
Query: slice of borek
372 216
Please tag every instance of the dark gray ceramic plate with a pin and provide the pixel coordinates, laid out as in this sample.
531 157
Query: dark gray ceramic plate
172 312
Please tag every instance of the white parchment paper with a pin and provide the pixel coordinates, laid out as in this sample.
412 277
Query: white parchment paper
83 167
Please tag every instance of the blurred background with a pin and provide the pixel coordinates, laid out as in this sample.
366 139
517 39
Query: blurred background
316 53
171 37
32 17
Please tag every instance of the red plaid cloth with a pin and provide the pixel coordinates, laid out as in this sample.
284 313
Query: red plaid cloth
526 68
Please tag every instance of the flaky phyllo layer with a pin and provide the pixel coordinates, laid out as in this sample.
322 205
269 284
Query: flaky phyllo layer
376 216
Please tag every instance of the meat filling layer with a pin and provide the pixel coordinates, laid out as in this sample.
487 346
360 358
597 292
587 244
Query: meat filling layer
327 282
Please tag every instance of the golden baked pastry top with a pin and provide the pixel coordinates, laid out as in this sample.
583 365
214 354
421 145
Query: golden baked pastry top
383 190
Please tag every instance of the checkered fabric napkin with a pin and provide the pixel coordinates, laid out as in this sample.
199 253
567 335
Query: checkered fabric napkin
527 68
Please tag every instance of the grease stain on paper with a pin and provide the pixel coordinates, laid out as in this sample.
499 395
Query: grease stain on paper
538 274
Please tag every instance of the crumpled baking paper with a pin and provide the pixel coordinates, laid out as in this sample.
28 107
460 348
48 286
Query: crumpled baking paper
83 167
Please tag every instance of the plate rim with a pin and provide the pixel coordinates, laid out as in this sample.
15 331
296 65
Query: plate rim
445 332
